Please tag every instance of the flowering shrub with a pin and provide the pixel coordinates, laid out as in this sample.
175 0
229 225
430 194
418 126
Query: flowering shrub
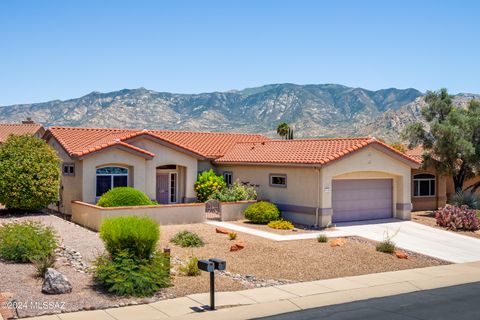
262 212
207 183
457 218
281 224
235 192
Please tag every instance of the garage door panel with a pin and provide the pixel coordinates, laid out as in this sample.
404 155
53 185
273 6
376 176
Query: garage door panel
361 199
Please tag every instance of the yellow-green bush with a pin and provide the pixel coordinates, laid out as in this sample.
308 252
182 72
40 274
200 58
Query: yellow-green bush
207 183
124 197
281 224
262 212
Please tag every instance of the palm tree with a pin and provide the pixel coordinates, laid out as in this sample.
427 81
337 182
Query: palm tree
283 129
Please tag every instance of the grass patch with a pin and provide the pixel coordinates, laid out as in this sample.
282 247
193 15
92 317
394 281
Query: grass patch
187 239
322 238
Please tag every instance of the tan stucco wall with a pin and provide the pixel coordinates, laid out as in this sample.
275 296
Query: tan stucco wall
71 186
232 211
300 188
435 202
91 216
204 165
114 157
166 156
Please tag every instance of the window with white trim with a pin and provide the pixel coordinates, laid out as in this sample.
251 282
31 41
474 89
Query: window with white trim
110 177
278 180
68 169
227 177
424 185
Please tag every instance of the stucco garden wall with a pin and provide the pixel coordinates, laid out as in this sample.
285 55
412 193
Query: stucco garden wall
91 216
232 211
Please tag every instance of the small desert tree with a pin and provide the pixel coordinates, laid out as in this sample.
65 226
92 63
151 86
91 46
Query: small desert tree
452 139
29 173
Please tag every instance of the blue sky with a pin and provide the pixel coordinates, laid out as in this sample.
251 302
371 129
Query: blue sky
65 49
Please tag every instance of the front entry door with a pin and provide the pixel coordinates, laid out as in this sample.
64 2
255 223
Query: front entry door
162 187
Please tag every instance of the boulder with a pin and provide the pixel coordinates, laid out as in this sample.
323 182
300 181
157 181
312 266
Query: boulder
338 242
55 283
223 231
401 254
237 246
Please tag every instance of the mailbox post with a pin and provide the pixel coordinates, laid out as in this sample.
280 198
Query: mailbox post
210 266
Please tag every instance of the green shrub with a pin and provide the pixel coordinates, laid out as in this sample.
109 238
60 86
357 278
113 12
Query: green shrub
127 275
469 199
187 239
137 235
281 224
191 268
322 238
235 192
262 212
124 197
26 241
232 235
29 173
42 264
207 183
386 246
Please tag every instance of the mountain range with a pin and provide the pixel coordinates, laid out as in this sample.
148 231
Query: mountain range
322 110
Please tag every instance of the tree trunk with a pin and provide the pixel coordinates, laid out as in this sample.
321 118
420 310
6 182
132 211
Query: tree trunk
459 178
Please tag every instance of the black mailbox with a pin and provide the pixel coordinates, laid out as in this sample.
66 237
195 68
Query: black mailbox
206 265
219 264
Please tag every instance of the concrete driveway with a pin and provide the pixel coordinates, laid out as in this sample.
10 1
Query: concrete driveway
418 238
408 235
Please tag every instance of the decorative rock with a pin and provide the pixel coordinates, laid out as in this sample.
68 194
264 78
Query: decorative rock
237 246
222 230
401 254
55 283
338 242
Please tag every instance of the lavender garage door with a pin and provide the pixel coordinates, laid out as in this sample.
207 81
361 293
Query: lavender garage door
362 199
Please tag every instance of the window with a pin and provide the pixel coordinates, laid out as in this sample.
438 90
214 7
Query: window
424 185
173 187
278 180
111 177
68 169
227 176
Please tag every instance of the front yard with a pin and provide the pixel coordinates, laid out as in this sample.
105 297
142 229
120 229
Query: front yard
261 263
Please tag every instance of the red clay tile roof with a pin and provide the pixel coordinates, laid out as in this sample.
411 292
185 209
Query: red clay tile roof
6 129
303 151
82 141
416 153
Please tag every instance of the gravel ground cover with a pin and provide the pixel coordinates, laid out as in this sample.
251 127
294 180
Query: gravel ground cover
261 263
428 218
263 227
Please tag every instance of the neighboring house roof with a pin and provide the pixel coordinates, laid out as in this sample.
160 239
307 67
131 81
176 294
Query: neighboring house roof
416 153
303 151
79 142
7 129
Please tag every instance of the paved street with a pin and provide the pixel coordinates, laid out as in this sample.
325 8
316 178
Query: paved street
456 302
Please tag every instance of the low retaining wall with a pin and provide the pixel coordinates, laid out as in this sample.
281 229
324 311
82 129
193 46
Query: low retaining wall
91 216
232 211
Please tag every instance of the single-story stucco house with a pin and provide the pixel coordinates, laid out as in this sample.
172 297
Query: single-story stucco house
313 181
26 127
431 190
